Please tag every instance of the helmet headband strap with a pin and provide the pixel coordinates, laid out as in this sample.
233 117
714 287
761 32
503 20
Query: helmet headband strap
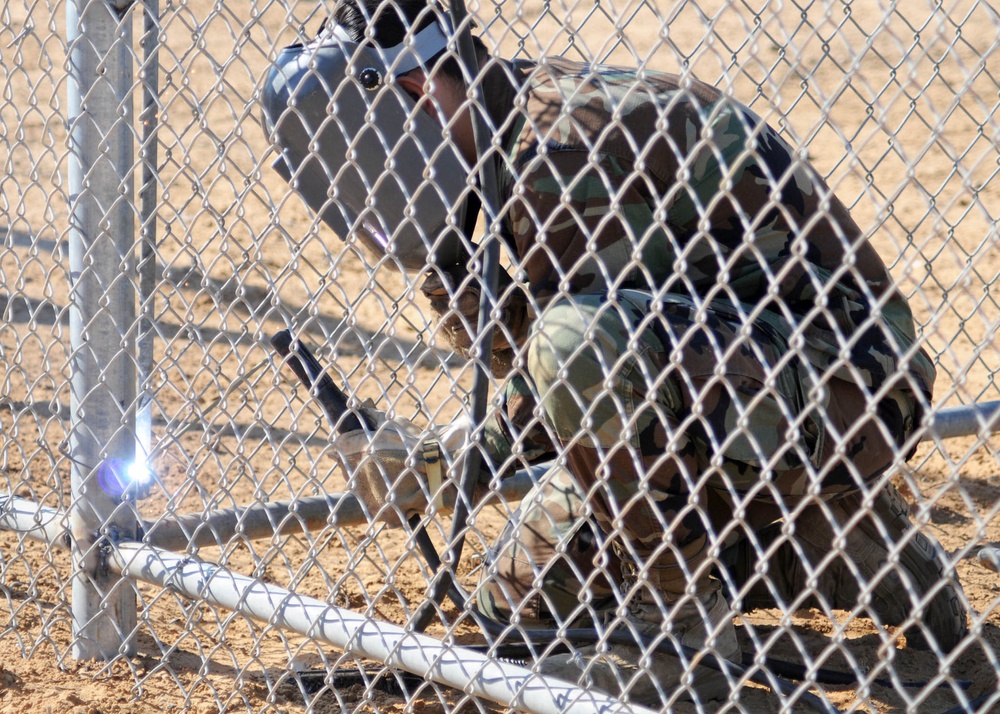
413 52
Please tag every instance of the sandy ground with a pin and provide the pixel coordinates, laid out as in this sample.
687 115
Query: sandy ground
896 106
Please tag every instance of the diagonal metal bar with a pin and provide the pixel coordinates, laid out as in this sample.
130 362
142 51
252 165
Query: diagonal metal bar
489 278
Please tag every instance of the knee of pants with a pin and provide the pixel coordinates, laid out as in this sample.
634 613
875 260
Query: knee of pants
551 565
574 346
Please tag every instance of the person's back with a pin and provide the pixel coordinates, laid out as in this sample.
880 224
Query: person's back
675 188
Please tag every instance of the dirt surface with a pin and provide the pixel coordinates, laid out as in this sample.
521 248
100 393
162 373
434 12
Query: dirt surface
896 106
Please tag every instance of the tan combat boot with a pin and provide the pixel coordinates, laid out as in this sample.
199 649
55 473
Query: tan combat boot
703 623
906 571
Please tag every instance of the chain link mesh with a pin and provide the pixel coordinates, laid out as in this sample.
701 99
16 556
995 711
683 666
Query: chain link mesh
894 104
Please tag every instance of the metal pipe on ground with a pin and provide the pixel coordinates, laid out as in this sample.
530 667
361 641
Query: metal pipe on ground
48 525
463 669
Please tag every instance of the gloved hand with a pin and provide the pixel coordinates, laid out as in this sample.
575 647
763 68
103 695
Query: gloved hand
454 299
397 468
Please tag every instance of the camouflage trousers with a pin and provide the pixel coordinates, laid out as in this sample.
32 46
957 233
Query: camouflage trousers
677 427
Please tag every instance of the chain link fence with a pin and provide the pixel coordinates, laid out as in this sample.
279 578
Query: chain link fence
261 582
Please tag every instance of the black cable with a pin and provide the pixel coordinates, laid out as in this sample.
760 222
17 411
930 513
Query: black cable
396 683
972 706
799 672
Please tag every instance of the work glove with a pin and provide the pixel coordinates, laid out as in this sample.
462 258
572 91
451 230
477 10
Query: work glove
396 469
454 300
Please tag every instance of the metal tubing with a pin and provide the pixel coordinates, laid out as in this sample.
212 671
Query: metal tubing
255 522
466 670
47 525
149 120
488 299
196 530
102 317
340 510
970 420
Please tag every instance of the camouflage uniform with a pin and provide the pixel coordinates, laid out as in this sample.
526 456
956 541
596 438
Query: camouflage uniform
706 326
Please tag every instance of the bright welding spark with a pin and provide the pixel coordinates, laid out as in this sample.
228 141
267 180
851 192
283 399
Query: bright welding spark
117 477
139 473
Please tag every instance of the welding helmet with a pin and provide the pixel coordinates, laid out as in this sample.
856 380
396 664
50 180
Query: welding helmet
354 145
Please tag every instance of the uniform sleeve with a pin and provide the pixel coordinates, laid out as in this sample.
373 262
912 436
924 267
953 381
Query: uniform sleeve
514 436
584 224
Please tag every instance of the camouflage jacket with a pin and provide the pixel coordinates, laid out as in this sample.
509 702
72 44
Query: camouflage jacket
611 179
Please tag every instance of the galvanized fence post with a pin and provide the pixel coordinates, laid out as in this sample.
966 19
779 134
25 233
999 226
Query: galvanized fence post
102 316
